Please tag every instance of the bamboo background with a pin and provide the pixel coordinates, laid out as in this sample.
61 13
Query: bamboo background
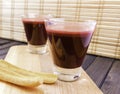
106 39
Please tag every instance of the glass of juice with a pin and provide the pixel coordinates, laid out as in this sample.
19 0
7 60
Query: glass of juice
68 43
35 32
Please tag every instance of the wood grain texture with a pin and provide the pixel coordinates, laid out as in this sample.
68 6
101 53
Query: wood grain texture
5 44
19 56
89 59
112 82
4 41
99 69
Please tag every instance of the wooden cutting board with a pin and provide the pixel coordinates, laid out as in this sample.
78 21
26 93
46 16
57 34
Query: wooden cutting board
19 56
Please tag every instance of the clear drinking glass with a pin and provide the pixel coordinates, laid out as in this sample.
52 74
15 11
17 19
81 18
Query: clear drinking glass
35 32
69 42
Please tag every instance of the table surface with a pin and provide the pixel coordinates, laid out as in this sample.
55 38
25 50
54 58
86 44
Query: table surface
19 56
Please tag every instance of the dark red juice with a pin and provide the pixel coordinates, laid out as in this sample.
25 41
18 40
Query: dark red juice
68 48
35 31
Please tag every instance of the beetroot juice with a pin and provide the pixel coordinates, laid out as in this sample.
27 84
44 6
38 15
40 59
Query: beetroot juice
68 44
35 31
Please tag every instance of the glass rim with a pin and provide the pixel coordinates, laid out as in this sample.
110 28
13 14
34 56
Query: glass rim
36 15
61 21
73 27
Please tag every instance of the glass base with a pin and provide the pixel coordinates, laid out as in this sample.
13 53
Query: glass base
37 49
68 74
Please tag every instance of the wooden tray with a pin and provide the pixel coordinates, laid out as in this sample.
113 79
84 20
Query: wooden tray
19 56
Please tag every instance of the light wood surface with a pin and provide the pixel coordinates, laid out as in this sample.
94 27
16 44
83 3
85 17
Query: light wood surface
19 56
